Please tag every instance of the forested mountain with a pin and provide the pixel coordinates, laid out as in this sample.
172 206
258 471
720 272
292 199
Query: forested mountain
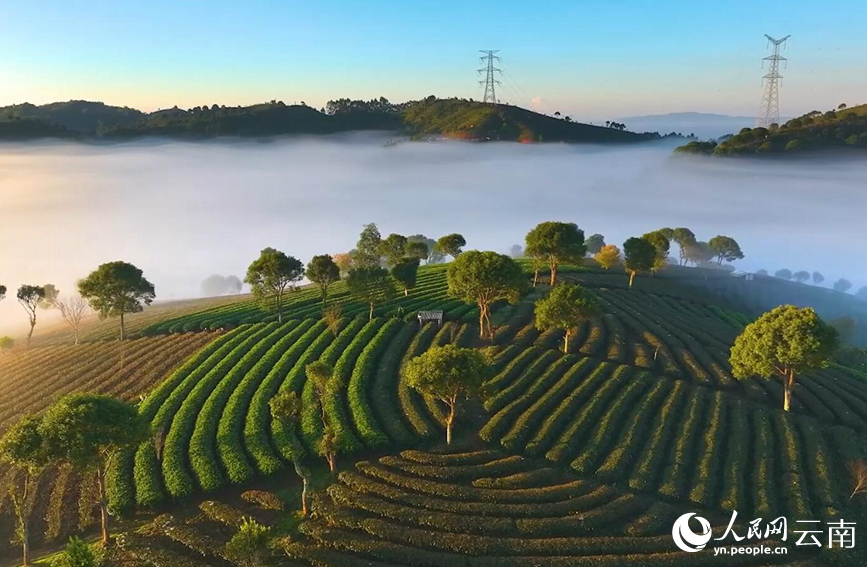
840 129
430 117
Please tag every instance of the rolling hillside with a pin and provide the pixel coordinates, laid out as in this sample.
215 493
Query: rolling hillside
577 458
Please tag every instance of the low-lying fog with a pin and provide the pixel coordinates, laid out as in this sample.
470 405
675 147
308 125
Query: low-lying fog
182 211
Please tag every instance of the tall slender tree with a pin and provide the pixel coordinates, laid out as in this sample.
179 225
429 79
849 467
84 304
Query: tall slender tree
272 274
286 408
30 296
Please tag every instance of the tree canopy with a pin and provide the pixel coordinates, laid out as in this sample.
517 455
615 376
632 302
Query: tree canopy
842 285
30 297
783 274
405 272
271 274
784 341
801 276
818 278
594 243
684 238
371 285
725 248
450 245
661 243
448 373
483 278
117 288
565 307
608 256
322 271
639 255
367 250
393 248
556 243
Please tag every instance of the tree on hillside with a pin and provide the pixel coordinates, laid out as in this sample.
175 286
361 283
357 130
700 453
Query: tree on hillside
117 288
345 261
371 285
608 256
725 248
842 285
594 243
30 296
801 276
448 373
321 375
818 278
639 255
483 278
23 447
661 244
286 409
234 285
785 341
51 293
433 256
684 238
72 310
272 274
556 243
367 250
450 245
250 546
405 272
417 250
88 431
393 248
784 274
566 306
213 285
322 271
697 252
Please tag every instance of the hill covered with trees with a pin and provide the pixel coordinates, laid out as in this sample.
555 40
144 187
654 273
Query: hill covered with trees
841 129
424 119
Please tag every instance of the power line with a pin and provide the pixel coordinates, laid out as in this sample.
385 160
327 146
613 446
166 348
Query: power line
490 81
769 110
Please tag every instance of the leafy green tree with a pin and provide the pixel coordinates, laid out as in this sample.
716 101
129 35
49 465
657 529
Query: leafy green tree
483 278
594 243
801 276
684 238
698 253
842 285
557 243
433 256
249 546
660 242
608 256
272 274
725 248
78 553
451 245
30 296
322 271
784 274
565 307
23 447
418 250
393 248
367 250
286 409
370 285
639 255
448 373
785 341
117 288
818 278
88 431
405 272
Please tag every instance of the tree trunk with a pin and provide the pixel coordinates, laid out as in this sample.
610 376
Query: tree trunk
30 334
25 541
279 305
21 509
122 327
535 277
566 342
406 292
482 320
370 318
553 273
303 474
332 462
790 383
631 277
103 506
450 418
76 337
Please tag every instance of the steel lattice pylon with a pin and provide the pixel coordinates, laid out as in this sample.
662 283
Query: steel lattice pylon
489 70
769 111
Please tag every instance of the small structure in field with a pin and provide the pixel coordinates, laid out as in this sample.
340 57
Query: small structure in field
425 316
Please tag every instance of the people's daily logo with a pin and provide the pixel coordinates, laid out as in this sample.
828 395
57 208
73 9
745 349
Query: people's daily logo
685 538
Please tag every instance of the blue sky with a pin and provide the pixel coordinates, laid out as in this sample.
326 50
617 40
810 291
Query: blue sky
589 59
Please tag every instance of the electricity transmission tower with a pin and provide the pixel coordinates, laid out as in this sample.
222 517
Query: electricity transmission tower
488 61
769 112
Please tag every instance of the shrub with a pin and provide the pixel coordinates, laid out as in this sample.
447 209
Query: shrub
77 554
249 547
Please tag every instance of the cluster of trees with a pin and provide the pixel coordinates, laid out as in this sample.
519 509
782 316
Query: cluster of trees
615 125
374 271
803 276
85 431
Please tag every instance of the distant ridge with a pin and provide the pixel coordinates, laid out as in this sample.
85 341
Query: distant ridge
704 125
